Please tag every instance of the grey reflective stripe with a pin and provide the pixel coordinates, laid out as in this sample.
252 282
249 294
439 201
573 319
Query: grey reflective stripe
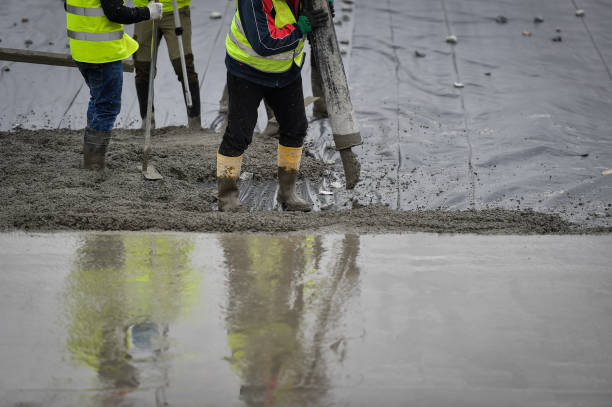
285 56
85 11
82 36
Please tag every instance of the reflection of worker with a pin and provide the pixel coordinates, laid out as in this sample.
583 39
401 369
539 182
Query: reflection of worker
143 33
265 50
98 44
265 315
119 299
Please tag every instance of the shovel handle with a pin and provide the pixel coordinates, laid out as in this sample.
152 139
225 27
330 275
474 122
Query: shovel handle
179 34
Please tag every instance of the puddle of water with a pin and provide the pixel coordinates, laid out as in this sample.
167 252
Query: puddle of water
285 320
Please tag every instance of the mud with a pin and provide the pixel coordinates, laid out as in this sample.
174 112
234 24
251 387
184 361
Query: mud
45 188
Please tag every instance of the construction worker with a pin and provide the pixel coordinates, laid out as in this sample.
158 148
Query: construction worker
143 33
98 44
319 110
265 53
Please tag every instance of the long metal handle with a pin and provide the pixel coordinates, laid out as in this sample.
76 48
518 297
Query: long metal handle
178 29
153 68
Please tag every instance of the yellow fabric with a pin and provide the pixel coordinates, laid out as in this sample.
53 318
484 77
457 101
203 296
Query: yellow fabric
274 64
167 4
228 167
289 157
97 51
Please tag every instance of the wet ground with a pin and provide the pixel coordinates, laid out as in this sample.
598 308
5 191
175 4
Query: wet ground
139 319
498 121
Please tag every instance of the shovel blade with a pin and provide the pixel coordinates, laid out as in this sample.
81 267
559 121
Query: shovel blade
151 173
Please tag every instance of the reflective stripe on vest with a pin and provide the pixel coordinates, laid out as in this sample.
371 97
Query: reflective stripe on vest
117 35
85 11
93 37
239 48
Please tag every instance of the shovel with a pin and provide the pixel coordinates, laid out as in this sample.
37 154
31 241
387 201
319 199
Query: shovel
178 29
148 171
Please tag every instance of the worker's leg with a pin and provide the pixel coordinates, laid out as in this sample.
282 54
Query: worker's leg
288 106
244 99
193 112
143 33
319 110
105 83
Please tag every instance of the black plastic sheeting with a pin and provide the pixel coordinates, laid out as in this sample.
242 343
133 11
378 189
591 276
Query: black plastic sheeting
529 129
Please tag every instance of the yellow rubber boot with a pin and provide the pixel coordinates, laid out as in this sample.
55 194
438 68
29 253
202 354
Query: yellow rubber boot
228 171
288 166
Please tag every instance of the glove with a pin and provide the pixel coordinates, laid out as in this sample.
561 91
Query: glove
332 10
155 10
316 18
304 25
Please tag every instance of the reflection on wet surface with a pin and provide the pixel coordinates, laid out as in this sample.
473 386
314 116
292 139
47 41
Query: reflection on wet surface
128 319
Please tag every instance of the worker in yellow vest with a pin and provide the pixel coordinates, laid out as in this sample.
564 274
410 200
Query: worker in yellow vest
265 54
98 44
143 33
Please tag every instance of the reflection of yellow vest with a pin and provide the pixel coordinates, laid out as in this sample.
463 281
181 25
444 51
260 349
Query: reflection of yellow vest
167 4
238 46
93 37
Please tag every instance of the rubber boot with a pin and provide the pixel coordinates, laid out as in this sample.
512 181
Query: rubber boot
272 128
142 92
288 166
193 114
228 172
95 143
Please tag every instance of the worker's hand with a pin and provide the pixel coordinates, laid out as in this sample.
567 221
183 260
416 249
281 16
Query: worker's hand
332 10
155 10
316 18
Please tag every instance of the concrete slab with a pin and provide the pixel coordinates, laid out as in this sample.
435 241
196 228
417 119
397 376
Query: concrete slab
140 319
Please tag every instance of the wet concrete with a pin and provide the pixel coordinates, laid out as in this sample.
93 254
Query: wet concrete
135 319
529 129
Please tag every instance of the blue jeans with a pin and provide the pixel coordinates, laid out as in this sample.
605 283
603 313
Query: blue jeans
105 83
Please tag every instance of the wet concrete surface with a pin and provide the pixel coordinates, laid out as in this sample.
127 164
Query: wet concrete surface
142 319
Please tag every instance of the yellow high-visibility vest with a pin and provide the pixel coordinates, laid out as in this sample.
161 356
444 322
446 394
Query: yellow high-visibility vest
93 37
238 46
167 4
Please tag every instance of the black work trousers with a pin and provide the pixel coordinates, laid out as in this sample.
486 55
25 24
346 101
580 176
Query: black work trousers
244 99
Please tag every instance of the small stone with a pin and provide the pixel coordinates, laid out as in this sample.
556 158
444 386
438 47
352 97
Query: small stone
215 15
344 42
51 43
558 30
580 13
347 9
526 33
459 85
324 192
343 52
338 22
348 1
28 43
346 17
557 38
501 20
6 69
419 54
336 184
246 176
487 73
538 20
451 39
25 20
